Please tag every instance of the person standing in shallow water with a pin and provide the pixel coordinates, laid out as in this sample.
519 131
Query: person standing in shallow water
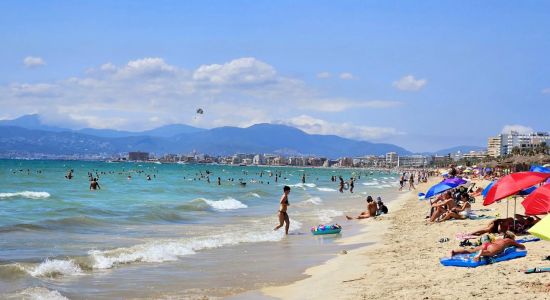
283 206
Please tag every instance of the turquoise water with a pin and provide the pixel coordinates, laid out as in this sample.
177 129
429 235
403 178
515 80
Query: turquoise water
173 233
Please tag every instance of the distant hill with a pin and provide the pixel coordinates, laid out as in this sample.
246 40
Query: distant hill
34 122
462 149
31 122
260 138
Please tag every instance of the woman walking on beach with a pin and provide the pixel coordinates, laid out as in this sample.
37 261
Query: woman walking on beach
283 215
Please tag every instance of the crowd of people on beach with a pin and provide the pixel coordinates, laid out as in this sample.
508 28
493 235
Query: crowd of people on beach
456 203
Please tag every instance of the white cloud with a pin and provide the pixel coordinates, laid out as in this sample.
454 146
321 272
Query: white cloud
323 75
342 104
33 90
546 91
317 126
519 128
246 70
150 92
346 76
33 62
409 83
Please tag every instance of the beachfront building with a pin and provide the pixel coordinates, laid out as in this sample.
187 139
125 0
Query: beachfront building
258 159
391 159
345 162
138 156
504 143
412 161
494 146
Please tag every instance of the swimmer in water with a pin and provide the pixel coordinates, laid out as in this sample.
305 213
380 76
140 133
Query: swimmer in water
94 185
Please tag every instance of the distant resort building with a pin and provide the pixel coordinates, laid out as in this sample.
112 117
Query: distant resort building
504 143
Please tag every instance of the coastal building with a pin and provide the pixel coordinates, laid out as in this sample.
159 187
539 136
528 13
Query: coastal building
475 155
441 161
494 146
138 156
504 143
258 159
412 161
391 159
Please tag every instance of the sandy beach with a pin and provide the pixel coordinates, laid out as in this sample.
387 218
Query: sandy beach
404 262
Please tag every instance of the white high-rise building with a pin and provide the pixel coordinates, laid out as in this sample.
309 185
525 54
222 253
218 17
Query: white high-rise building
505 142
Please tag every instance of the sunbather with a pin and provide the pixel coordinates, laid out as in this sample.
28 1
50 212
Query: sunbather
459 213
490 248
496 226
439 208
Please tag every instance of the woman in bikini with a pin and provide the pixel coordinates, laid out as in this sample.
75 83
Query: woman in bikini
283 215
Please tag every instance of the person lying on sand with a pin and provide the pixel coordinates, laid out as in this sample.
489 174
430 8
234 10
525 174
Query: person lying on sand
522 224
371 210
490 248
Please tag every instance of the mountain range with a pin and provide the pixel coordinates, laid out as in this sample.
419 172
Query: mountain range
28 134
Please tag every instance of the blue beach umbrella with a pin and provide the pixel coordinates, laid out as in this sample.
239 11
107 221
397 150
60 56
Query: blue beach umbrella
539 169
439 188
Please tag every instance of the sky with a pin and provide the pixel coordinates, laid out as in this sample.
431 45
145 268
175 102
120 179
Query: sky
424 75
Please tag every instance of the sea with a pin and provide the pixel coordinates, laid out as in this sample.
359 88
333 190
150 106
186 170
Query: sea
179 235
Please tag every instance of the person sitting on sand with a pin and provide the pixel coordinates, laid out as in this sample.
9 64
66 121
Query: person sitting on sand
489 248
371 210
458 213
447 204
382 209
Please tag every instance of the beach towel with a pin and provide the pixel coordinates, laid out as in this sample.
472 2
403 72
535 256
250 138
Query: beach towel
467 260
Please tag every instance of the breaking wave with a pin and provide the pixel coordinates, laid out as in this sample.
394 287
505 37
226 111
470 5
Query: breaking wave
25 194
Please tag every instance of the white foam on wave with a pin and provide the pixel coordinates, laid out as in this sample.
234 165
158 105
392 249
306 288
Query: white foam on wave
256 195
39 293
325 189
26 194
327 215
170 250
370 183
226 204
314 200
303 185
55 267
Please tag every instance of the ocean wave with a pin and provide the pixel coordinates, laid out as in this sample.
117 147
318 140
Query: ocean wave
327 215
74 221
303 185
226 204
21 227
255 195
36 293
314 200
325 189
25 194
370 183
56 267
171 250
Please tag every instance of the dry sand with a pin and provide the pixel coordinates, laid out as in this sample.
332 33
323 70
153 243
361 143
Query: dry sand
405 262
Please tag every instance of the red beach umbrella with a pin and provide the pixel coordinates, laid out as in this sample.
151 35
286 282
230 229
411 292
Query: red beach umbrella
512 184
538 202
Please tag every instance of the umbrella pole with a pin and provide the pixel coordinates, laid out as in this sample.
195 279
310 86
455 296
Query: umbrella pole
507 204
515 212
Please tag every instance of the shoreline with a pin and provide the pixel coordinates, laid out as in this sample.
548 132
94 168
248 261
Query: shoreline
404 262
324 281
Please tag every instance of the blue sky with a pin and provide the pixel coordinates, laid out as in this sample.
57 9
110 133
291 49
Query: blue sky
421 74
